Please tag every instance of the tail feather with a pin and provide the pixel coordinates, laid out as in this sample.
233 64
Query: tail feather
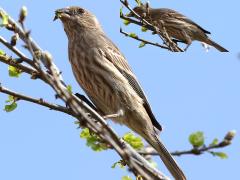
167 158
216 45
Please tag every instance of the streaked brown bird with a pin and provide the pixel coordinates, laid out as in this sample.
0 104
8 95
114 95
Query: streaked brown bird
104 74
177 25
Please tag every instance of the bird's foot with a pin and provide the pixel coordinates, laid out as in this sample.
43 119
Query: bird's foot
176 41
120 113
186 47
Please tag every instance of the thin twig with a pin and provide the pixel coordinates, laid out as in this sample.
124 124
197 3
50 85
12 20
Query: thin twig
16 51
39 101
193 151
12 62
144 21
140 23
143 40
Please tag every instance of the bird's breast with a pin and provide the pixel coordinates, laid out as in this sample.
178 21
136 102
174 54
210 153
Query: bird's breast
101 81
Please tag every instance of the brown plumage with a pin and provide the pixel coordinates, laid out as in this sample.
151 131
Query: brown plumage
177 25
104 74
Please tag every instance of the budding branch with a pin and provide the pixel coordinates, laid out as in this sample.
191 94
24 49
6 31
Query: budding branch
76 107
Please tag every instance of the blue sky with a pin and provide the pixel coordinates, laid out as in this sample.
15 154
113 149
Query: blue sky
188 92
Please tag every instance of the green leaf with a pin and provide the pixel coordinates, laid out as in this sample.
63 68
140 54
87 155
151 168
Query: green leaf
114 165
119 163
85 133
2 52
10 107
126 22
4 18
222 155
135 142
121 11
142 44
93 141
13 105
138 2
13 72
214 142
69 88
133 35
10 99
144 29
196 139
126 178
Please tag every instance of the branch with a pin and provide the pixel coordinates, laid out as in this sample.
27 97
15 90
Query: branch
16 51
25 37
12 62
197 150
39 101
144 23
77 108
143 40
29 70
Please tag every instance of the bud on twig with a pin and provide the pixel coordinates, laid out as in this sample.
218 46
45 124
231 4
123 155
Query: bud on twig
47 57
228 138
147 8
230 135
23 14
14 39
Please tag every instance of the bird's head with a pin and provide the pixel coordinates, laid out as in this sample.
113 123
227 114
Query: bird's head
76 18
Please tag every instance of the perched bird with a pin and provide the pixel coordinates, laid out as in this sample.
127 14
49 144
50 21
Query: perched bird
177 25
104 74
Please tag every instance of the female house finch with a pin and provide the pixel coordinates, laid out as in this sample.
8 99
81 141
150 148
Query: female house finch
177 25
104 74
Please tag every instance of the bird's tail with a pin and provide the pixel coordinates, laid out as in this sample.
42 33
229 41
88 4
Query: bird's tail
216 45
167 158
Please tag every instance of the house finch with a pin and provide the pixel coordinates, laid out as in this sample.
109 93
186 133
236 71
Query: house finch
104 74
177 25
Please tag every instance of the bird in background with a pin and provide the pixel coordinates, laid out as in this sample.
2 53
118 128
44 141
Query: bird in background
177 25
104 74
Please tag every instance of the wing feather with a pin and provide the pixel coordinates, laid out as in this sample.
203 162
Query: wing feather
169 13
113 54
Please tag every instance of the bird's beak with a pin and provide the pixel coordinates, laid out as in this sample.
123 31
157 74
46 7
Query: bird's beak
55 17
59 13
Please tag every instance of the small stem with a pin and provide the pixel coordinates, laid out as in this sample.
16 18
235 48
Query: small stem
194 151
16 51
39 101
143 40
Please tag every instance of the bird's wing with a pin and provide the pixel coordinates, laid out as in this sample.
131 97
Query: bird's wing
113 54
169 13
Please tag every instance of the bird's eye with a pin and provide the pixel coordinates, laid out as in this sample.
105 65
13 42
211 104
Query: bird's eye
80 11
